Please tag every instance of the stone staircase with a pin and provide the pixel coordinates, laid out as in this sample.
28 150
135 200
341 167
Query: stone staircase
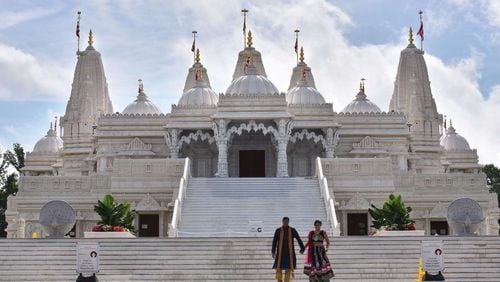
370 259
224 206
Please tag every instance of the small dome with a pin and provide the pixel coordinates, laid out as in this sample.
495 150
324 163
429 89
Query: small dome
304 94
50 144
141 105
251 84
361 104
199 95
452 141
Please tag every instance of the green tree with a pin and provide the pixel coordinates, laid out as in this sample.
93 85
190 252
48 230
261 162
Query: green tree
492 178
8 181
113 213
393 214
15 158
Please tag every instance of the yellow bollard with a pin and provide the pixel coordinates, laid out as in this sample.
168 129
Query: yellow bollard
421 272
34 235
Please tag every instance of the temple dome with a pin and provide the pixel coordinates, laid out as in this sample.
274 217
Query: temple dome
361 104
50 144
200 95
141 105
304 94
251 84
452 141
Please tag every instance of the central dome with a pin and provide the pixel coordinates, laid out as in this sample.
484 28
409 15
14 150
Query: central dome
50 144
200 95
141 105
361 104
251 84
304 94
452 141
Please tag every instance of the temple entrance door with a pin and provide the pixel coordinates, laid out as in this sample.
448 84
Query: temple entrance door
440 228
149 225
252 163
357 224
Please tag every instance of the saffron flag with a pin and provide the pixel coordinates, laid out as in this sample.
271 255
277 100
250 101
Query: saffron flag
421 31
297 45
193 47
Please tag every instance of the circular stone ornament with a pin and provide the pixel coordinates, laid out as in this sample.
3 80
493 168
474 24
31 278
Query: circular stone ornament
57 218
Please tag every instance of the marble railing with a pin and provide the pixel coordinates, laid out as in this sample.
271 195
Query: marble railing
176 215
440 180
328 198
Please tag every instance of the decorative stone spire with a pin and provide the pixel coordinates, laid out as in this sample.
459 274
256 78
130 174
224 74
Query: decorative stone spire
195 73
254 55
298 72
89 99
413 96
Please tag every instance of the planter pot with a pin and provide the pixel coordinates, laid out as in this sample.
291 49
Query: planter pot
400 233
108 235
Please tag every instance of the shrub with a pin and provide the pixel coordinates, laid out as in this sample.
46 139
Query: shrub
114 214
393 215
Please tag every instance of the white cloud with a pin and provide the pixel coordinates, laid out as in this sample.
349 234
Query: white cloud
493 12
24 77
10 19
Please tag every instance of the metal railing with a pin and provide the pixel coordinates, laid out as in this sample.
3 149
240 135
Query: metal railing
329 200
176 215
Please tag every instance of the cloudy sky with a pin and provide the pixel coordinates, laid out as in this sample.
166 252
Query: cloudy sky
343 41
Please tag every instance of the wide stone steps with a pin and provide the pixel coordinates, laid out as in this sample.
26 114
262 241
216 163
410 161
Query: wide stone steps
370 259
225 206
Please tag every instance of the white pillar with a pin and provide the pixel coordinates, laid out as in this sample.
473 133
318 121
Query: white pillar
222 139
331 141
282 170
172 138
222 159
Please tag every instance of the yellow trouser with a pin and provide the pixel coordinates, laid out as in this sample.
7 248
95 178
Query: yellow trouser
288 274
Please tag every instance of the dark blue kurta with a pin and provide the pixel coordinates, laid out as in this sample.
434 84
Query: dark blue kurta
285 255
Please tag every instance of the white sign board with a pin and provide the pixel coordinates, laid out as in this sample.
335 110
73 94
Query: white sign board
433 256
255 228
87 257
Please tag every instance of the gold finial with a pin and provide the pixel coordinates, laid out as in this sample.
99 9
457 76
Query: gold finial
410 39
301 54
362 85
249 41
91 38
197 56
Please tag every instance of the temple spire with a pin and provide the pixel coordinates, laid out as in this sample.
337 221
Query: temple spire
301 54
362 85
410 36
197 56
91 39
249 41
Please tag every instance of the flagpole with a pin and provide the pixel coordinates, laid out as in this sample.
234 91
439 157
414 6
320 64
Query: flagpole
244 11
297 44
193 48
421 24
78 29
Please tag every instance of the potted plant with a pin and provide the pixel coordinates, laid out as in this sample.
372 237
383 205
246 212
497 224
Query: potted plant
393 219
117 219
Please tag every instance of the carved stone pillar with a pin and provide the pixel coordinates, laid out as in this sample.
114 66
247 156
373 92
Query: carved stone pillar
222 139
284 132
172 138
331 141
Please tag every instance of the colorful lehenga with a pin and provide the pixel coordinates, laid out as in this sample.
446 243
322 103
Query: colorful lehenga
317 265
